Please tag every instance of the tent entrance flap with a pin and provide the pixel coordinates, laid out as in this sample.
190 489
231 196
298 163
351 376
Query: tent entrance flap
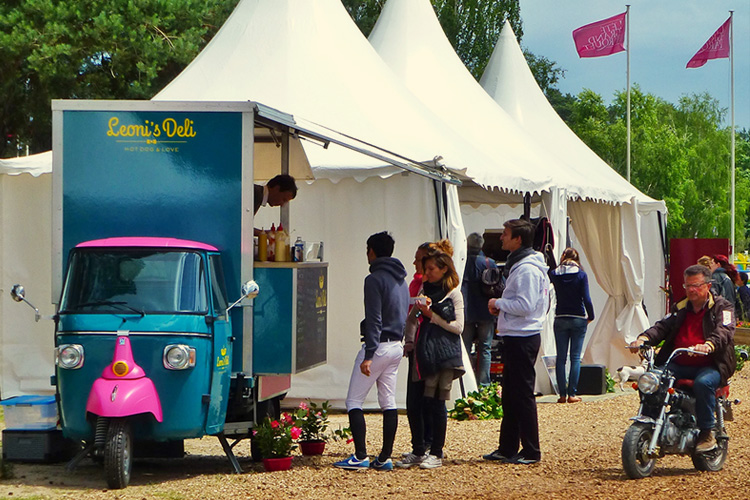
323 136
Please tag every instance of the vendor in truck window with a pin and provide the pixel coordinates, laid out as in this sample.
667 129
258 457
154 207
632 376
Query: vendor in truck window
276 193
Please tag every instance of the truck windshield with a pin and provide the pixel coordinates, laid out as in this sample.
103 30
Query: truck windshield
135 282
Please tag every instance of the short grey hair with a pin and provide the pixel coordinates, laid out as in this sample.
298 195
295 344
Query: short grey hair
696 270
475 240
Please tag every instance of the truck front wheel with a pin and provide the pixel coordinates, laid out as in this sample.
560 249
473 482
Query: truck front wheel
118 453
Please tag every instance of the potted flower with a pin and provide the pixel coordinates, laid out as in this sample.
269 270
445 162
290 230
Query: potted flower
312 419
275 440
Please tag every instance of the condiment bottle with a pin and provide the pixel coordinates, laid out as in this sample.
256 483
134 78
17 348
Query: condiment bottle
281 250
271 234
262 246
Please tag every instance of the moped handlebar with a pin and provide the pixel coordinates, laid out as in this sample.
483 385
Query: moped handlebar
683 350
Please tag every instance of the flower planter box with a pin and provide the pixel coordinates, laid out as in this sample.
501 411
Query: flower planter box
741 336
310 448
276 464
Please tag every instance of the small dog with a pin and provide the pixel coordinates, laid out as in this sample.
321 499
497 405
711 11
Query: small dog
625 373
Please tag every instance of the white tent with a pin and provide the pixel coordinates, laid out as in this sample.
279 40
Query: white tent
622 243
409 38
26 347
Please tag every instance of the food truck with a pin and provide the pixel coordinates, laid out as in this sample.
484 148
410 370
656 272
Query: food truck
164 328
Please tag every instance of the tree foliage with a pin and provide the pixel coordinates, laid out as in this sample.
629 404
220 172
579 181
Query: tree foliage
92 49
679 153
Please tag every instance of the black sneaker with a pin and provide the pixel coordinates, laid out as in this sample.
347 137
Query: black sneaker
521 460
496 456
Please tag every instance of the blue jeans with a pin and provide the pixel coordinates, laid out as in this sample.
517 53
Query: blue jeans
706 380
481 332
569 331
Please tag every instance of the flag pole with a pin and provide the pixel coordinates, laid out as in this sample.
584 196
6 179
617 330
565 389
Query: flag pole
731 92
627 41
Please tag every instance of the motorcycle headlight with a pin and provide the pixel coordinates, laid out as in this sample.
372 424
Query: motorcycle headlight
69 356
648 383
179 357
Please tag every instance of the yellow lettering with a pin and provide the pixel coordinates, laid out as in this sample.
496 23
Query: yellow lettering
113 123
170 126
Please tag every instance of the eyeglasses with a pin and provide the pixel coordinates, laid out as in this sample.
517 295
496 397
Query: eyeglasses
687 286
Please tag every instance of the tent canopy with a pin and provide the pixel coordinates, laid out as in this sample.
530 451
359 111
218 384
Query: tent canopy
309 59
409 38
35 165
508 79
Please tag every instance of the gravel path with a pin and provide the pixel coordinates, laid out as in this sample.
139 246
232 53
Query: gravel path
581 460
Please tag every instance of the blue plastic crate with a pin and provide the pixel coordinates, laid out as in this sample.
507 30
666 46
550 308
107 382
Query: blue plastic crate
30 412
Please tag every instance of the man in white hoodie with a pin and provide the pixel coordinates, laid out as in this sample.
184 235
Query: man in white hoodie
521 312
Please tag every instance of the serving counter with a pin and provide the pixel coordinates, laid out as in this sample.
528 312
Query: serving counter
290 317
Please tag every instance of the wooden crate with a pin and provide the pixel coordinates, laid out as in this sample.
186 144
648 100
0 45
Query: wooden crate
741 336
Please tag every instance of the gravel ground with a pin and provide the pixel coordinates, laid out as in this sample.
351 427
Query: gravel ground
581 460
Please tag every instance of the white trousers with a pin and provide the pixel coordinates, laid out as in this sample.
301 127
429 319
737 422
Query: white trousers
383 371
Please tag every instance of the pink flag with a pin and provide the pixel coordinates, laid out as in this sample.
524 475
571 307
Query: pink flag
717 47
601 38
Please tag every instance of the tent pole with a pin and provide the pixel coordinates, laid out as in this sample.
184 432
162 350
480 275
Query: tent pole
285 170
627 36
731 131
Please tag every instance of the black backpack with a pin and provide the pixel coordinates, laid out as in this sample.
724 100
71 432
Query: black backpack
492 282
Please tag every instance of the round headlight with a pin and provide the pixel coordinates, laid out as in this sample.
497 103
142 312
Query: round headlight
70 356
648 383
178 357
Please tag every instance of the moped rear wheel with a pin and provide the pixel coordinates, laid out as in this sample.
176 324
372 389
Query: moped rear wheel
712 460
118 453
635 459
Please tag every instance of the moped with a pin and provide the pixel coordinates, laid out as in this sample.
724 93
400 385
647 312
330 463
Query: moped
666 422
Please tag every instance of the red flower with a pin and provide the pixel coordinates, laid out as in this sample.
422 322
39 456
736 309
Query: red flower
275 424
295 432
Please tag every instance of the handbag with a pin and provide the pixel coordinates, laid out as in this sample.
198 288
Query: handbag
492 282
444 309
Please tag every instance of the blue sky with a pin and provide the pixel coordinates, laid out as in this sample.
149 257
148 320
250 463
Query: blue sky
664 35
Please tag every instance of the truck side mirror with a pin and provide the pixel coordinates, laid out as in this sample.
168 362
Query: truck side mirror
18 293
250 290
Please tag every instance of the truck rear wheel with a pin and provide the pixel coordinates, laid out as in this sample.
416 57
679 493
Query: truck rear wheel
118 453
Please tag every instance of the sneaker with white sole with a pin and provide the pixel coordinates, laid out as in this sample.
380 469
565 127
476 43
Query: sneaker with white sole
378 465
353 463
410 459
431 462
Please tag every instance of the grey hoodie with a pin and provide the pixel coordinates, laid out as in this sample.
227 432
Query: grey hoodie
523 306
386 303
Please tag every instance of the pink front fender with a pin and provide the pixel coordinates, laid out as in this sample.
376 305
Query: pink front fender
123 398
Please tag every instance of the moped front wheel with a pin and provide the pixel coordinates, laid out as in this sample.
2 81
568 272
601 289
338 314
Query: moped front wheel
118 453
635 458
713 460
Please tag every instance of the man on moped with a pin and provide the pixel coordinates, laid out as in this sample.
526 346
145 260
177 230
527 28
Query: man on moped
705 323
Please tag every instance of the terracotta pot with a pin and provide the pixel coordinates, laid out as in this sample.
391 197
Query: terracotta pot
274 464
314 447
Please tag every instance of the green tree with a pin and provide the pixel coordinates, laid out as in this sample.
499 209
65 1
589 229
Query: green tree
92 49
679 153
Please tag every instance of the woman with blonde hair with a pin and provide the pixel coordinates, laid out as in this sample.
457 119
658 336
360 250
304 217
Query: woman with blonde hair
573 313
437 345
